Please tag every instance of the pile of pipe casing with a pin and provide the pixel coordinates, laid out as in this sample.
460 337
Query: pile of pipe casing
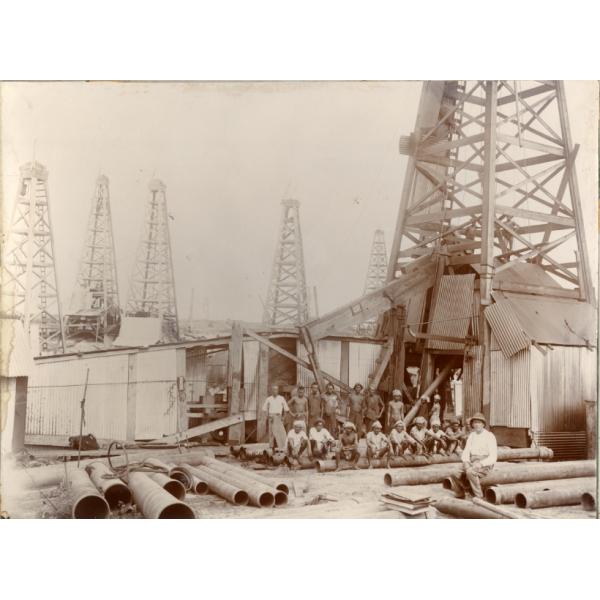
420 460
505 494
237 485
153 501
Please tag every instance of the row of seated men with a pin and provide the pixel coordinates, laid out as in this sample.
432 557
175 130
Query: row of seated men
319 443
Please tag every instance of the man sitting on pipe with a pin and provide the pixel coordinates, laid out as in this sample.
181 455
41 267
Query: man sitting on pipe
347 446
456 436
321 441
478 459
400 441
435 438
378 445
297 443
419 433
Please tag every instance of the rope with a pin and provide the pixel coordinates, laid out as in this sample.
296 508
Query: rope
123 471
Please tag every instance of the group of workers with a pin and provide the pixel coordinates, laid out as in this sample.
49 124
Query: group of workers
314 431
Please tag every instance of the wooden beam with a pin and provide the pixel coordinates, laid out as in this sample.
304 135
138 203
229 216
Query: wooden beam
263 392
442 215
234 381
131 396
345 362
383 360
538 290
305 364
175 438
534 216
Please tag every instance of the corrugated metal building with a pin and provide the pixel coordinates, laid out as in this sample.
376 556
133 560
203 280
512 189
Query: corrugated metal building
147 393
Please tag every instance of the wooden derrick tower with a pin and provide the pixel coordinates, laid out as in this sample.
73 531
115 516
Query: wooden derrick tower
29 282
94 307
287 297
376 276
491 196
152 283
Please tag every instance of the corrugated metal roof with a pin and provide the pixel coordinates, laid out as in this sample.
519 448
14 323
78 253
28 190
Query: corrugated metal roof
521 272
507 328
414 314
139 331
451 314
16 359
558 321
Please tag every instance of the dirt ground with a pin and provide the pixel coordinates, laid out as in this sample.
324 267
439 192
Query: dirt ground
346 494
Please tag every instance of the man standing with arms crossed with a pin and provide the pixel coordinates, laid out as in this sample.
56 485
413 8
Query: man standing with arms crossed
276 407
315 405
478 458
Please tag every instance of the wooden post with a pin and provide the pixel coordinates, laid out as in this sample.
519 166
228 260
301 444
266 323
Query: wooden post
182 418
234 381
345 362
131 396
263 392
399 348
590 427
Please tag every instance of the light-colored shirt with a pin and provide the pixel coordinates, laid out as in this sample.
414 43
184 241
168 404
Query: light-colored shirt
320 436
295 439
398 436
418 434
481 444
377 440
275 405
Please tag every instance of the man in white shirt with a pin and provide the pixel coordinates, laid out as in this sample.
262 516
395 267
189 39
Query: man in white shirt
478 458
378 445
297 443
275 406
321 441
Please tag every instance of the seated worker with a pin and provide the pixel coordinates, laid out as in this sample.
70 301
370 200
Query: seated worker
321 441
395 410
419 433
455 436
347 446
297 443
435 438
298 406
400 441
356 399
378 445
478 459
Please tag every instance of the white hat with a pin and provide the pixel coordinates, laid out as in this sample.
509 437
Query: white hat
299 423
400 422
396 393
376 424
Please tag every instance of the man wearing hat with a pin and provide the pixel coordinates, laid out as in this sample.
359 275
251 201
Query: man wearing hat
321 441
395 410
478 458
356 399
435 438
297 442
419 433
400 441
347 446
378 445
455 435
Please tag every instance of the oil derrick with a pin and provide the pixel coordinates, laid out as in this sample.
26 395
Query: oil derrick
490 195
376 276
152 284
30 288
287 298
94 309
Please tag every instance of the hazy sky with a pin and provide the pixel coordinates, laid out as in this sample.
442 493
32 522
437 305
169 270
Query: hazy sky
228 153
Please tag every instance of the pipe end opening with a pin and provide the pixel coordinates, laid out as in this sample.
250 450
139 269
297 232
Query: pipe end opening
175 488
91 507
117 493
521 500
588 501
177 511
241 498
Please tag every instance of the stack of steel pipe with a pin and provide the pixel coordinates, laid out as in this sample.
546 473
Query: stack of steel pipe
218 486
113 489
153 501
190 481
160 476
87 501
505 494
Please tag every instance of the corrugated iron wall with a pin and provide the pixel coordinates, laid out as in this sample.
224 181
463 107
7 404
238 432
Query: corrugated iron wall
561 380
156 394
329 353
362 362
510 405
251 352
452 312
195 374
55 390
472 381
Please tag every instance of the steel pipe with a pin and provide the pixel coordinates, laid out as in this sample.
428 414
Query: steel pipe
216 485
505 494
588 500
199 487
188 479
463 509
219 465
536 472
259 495
87 501
153 501
420 475
173 486
556 497
113 489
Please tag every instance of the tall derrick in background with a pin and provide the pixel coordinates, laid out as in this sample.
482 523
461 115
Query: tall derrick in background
491 194
152 283
376 276
287 298
94 309
29 282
